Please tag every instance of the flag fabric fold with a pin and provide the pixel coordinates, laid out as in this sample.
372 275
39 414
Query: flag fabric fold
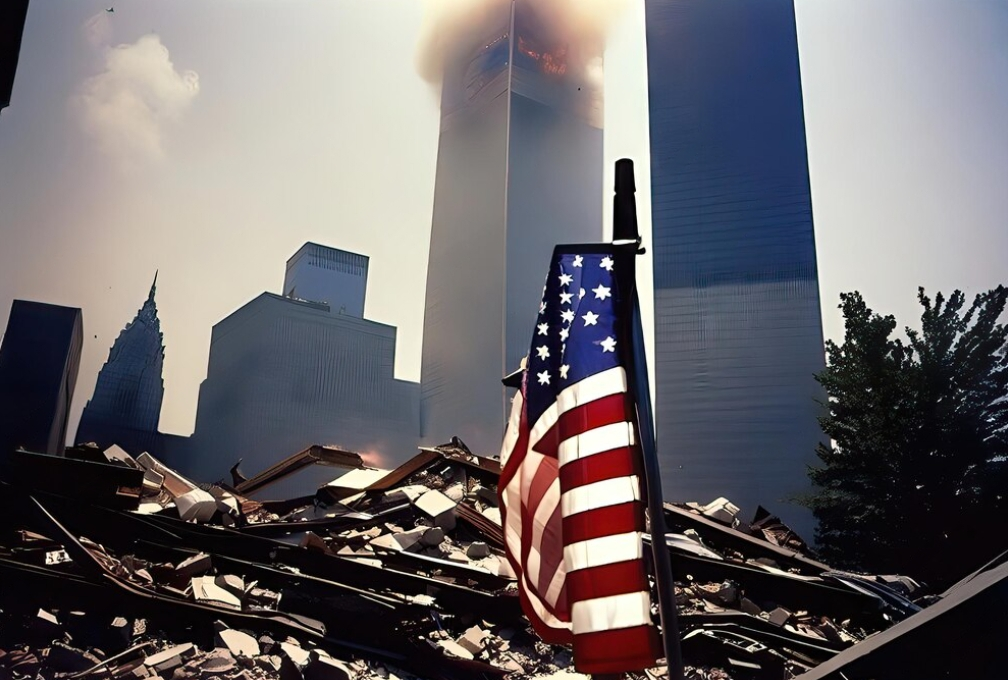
572 492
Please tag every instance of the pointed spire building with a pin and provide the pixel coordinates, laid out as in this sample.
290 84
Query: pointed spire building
127 397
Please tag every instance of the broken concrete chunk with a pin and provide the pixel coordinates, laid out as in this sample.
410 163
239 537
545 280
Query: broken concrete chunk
239 644
404 540
453 648
721 510
196 505
205 590
477 550
493 514
456 492
295 653
226 502
485 494
174 483
116 454
439 508
780 616
193 566
473 639
170 658
433 536
413 491
231 582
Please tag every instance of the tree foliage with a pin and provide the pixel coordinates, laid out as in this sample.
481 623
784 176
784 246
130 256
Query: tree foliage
916 477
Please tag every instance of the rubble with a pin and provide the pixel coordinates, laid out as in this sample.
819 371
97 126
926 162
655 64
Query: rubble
394 574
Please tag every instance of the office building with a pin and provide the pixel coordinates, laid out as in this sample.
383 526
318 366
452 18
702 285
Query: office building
519 169
285 373
126 405
738 330
39 360
334 277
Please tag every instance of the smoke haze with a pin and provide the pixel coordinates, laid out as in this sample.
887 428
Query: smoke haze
450 26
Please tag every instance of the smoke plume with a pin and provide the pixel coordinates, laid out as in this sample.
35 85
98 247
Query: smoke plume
451 26
125 107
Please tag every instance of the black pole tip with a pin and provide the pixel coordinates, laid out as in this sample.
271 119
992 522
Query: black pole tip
625 176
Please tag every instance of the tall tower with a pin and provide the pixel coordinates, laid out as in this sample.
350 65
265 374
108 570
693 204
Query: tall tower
738 330
128 394
519 169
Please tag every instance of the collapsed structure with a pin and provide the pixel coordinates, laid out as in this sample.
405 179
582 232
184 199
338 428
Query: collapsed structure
118 567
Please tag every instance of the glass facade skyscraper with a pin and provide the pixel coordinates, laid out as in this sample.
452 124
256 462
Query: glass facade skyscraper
126 405
738 329
519 169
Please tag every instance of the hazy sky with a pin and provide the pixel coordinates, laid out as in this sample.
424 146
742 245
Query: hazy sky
210 140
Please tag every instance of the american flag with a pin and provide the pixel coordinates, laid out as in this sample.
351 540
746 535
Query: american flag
571 489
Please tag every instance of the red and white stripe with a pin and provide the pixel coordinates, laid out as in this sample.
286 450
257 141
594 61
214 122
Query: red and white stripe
573 514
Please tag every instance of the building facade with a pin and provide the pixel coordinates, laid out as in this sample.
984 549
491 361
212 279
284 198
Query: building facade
334 277
519 169
738 329
39 360
287 373
126 406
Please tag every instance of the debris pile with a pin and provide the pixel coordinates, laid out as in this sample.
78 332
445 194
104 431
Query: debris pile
118 567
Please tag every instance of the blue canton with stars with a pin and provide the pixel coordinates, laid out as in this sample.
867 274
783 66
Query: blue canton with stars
576 333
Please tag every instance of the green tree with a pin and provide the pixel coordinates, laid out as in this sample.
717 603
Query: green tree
915 479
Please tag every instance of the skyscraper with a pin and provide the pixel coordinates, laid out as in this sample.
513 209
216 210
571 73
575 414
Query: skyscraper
286 372
738 330
519 169
39 360
126 405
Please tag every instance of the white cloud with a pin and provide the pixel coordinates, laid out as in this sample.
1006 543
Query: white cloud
125 108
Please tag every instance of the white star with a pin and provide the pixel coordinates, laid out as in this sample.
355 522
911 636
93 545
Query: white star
565 298
543 378
581 294
590 319
578 260
567 315
565 367
565 279
543 328
564 332
608 345
606 263
543 352
601 293
542 306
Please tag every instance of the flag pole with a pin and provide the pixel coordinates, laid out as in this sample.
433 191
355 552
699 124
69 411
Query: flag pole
625 232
